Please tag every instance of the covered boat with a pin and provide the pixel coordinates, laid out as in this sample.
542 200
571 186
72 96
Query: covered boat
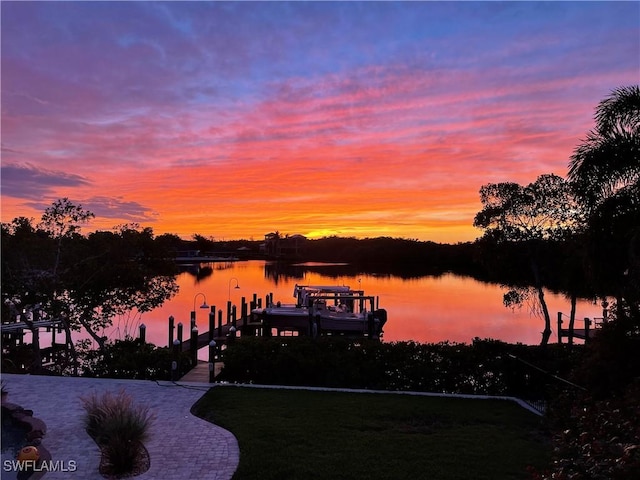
324 310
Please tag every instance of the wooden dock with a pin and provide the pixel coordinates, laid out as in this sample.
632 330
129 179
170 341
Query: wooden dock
200 373
590 330
220 335
18 327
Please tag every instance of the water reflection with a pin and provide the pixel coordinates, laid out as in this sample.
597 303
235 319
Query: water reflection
278 272
424 309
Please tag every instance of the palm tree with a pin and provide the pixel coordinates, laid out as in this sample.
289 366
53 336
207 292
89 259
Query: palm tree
605 171
607 163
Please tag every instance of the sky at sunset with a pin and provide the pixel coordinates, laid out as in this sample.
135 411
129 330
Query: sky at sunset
235 119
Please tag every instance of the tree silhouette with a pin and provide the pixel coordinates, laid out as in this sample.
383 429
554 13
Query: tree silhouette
605 171
607 163
545 210
83 281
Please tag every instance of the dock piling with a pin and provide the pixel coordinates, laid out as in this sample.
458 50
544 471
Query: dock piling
176 358
193 345
212 360
143 334
212 322
171 329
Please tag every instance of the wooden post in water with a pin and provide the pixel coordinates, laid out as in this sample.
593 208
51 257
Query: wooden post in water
243 316
193 319
212 360
220 323
559 327
587 327
180 333
143 334
171 329
35 340
194 345
233 316
176 359
37 354
228 312
212 321
231 337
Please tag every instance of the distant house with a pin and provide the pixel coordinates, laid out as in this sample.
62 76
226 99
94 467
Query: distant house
287 247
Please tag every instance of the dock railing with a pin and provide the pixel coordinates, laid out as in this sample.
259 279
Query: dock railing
591 326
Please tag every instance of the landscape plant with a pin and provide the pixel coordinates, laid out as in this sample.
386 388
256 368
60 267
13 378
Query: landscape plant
119 427
128 358
482 367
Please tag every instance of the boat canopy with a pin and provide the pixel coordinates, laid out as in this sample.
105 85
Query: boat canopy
308 289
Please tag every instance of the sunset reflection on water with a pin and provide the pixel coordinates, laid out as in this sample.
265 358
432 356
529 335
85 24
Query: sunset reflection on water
425 309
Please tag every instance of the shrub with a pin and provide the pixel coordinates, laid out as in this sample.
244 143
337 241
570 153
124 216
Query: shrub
118 426
129 359
596 433
484 367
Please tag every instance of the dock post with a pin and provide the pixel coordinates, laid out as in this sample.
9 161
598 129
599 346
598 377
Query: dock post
194 345
37 354
212 321
212 360
587 327
176 360
171 329
243 316
231 337
559 327
193 319
143 333
233 316
179 334
228 312
220 323
266 328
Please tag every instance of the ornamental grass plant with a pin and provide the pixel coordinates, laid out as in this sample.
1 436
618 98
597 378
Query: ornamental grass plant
119 427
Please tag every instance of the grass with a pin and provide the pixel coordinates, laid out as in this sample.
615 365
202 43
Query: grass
294 434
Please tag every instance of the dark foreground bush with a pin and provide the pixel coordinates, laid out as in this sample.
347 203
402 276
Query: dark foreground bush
129 359
596 431
483 367
596 439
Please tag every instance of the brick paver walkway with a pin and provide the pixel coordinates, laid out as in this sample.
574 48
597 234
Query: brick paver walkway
181 446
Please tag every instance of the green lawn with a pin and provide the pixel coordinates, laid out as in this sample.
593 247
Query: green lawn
297 434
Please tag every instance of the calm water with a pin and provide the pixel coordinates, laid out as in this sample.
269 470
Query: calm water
426 309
